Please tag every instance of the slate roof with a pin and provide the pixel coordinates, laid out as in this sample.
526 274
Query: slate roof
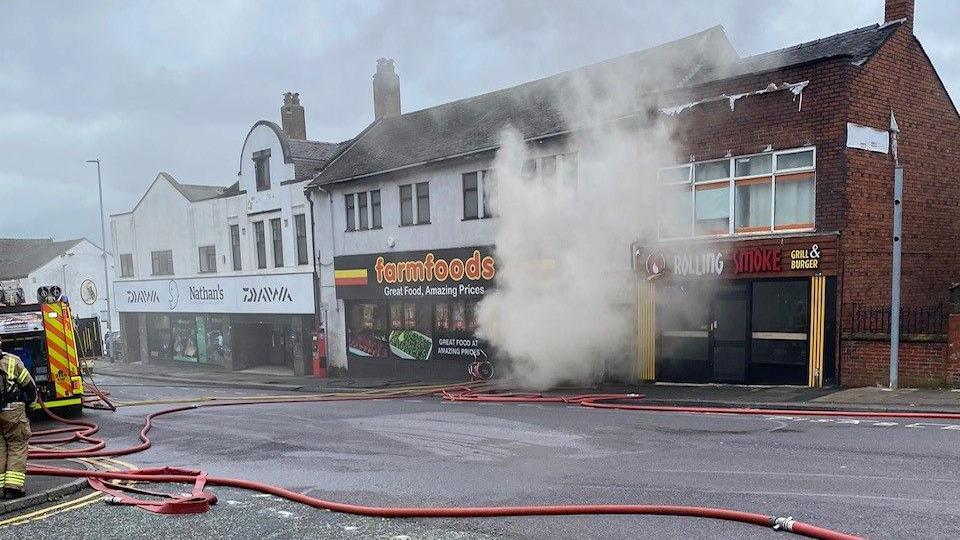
474 124
20 256
858 45
534 108
196 192
312 150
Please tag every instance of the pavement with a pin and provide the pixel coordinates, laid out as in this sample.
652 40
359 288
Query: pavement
702 395
43 489
879 478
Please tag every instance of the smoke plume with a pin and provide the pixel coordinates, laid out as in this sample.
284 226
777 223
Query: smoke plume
564 308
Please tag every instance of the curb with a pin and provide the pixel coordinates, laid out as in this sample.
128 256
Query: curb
200 382
49 495
814 406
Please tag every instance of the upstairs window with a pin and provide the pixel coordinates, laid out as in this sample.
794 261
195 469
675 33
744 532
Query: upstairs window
235 246
261 244
364 219
277 235
418 213
300 221
478 192
711 202
162 262
261 163
351 212
126 265
208 259
764 193
796 190
375 220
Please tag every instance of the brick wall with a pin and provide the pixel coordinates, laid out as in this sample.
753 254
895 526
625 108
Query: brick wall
900 77
867 363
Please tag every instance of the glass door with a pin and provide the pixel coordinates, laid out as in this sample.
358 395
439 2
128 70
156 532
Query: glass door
728 335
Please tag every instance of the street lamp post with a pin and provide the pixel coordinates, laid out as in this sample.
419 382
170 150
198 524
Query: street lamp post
103 244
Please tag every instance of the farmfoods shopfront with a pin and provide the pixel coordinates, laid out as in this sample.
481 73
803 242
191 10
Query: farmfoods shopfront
756 311
413 314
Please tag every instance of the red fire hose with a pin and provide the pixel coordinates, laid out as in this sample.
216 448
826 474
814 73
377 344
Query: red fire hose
83 432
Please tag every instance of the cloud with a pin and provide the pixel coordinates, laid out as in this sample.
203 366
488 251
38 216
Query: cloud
175 86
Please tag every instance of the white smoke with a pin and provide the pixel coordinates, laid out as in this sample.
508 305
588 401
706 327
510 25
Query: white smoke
564 308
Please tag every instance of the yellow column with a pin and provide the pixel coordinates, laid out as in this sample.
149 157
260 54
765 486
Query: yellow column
818 288
646 330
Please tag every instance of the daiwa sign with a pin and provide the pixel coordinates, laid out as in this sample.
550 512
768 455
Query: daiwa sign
274 293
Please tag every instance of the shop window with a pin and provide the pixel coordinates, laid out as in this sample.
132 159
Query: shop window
300 221
366 329
375 221
261 164
235 246
277 235
126 265
208 259
261 244
162 262
351 213
780 323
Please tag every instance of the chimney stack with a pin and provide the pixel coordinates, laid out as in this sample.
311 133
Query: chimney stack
291 116
894 10
386 90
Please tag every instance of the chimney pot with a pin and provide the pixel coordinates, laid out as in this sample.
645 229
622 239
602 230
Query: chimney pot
386 90
291 116
894 10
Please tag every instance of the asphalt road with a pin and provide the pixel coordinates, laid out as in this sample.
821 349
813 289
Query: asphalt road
880 479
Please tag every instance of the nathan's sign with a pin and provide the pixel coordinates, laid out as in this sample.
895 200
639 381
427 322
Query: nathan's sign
449 273
265 293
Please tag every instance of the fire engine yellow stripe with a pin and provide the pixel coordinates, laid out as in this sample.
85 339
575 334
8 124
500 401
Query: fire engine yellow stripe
51 336
62 403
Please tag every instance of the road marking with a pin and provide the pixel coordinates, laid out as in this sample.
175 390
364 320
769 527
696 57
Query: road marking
800 474
866 423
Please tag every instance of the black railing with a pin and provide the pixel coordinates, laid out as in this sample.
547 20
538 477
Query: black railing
860 319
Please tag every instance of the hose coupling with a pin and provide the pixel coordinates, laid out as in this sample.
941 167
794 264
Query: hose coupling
112 500
783 524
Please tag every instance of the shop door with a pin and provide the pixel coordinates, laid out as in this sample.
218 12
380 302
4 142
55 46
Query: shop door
728 335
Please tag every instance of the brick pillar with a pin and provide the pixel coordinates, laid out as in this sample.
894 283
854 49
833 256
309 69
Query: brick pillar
953 350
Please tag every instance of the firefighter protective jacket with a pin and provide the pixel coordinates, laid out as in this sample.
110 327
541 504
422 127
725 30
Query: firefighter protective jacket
16 384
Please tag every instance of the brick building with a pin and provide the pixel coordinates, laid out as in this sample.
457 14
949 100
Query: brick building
782 219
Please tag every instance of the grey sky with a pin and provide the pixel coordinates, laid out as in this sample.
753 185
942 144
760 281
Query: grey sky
174 86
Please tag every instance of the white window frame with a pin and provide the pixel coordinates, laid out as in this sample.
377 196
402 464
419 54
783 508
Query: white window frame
731 181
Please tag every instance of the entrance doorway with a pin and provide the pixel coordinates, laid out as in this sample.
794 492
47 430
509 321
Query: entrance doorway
728 337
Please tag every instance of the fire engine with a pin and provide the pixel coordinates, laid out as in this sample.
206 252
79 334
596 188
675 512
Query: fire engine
42 335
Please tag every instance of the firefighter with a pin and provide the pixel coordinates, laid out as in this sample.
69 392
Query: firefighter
17 392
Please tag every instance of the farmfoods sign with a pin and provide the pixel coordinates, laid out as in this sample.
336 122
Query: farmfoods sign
439 273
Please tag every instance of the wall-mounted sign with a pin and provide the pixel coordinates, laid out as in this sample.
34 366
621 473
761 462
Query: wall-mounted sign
867 138
748 257
805 259
440 273
268 293
88 292
698 264
755 260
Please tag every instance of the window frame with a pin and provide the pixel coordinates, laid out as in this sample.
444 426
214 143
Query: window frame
300 228
261 164
410 219
350 212
235 256
205 259
260 243
376 218
363 218
157 264
688 183
276 241
420 197
126 265
475 206
731 181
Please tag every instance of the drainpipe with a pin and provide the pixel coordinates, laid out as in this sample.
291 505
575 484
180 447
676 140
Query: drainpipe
333 239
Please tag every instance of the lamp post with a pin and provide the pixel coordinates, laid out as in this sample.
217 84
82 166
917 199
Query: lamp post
103 245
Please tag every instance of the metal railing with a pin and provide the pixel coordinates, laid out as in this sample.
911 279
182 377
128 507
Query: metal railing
861 319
